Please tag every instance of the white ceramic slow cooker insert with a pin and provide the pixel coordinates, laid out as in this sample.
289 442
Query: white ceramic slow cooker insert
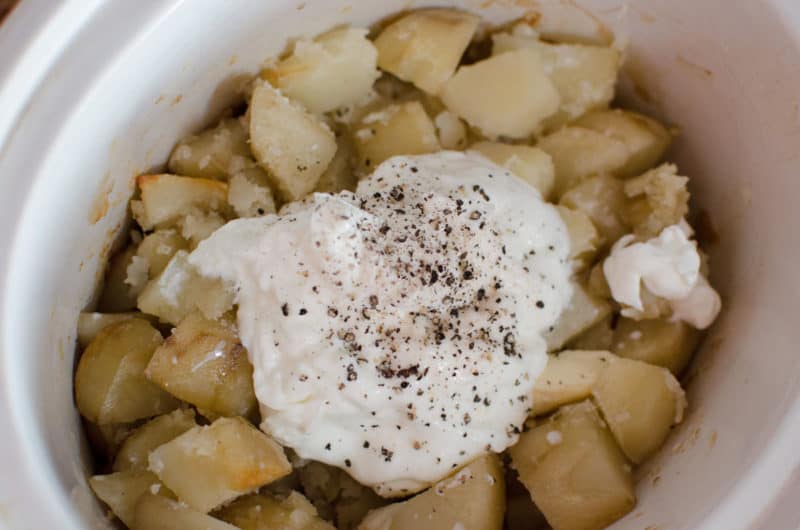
94 92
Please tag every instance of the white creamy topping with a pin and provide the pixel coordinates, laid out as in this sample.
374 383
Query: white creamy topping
396 332
669 267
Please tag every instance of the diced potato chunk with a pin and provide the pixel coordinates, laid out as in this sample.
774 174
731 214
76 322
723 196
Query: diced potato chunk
158 248
293 146
580 153
166 199
531 164
584 311
645 138
451 130
584 240
341 174
659 199
160 513
574 470
263 511
249 193
136 448
116 296
90 324
121 491
425 46
208 466
110 386
603 199
598 337
334 69
105 440
567 378
506 95
399 129
216 152
659 342
204 363
640 402
180 290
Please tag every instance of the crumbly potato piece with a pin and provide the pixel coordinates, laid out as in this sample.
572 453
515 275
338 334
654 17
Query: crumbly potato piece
341 173
110 386
473 498
567 378
159 513
399 129
584 240
249 193
658 199
204 363
133 452
603 199
580 153
506 95
180 290
597 283
215 153
209 466
90 324
584 311
166 199
425 46
158 248
197 225
659 342
292 145
263 511
640 403
531 164
646 139
598 337
452 132
334 69
121 491
116 296
574 470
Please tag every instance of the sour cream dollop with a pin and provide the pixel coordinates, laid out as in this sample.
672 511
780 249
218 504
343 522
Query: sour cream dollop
396 332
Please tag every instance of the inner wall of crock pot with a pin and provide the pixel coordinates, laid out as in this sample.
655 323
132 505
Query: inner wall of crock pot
152 74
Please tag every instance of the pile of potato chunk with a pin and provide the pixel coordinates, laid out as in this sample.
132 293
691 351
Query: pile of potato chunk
165 385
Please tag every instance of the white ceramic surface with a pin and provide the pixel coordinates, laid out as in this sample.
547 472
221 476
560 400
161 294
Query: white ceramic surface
93 92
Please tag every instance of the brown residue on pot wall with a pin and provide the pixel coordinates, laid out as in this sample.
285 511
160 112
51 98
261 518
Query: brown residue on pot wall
101 202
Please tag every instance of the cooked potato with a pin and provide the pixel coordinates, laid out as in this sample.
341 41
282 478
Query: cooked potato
158 248
646 139
598 337
180 290
659 342
105 440
584 239
204 363
263 512
353 504
334 69
452 132
506 95
574 470
249 193
208 466
580 153
658 199
640 403
531 164
341 174
216 152
136 448
90 324
116 296
567 378
110 386
425 46
121 491
603 199
596 282
584 311
293 146
399 129
160 513
166 199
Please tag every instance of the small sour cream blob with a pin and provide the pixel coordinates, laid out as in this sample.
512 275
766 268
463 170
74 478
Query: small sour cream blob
396 332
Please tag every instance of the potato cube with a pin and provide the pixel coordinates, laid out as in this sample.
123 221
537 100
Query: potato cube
473 498
249 193
646 139
584 240
263 511
215 153
399 129
167 198
136 448
160 513
158 248
584 311
293 146
640 402
121 491
341 174
334 69
567 378
659 342
452 132
204 363
598 337
658 199
603 199
90 324
425 46
506 95
110 386
208 466
574 470
531 164
580 153
116 296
